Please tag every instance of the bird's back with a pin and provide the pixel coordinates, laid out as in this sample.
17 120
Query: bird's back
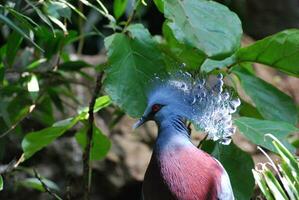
184 173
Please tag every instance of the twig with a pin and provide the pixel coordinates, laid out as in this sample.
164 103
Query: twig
11 165
132 15
200 143
47 189
87 170
31 108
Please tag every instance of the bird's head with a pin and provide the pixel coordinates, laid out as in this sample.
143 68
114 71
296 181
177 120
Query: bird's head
165 101
205 104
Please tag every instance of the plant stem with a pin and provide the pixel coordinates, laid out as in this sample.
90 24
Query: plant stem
87 170
46 188
132 15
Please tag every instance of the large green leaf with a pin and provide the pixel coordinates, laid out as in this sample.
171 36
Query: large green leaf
182 54
256 129
37 140
207 25
134 59
279 51
270 102
238 165
100 143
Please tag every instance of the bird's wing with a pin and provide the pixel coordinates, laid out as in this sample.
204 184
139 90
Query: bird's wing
225 190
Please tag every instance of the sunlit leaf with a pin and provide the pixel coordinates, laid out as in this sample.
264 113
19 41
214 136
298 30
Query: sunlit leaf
206 25
262 184
33 85
134 59
274 186
279 51
256 129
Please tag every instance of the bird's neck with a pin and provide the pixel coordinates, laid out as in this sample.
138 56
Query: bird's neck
172 134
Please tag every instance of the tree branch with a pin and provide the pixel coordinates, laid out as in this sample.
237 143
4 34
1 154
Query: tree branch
87 170
47 189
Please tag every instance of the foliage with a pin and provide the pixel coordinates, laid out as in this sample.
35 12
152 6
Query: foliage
284 182
38 72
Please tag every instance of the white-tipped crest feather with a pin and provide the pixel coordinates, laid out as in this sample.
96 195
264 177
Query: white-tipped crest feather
207 105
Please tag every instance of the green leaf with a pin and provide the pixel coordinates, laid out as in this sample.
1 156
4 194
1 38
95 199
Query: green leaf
279 51
190 57
73 8
274 185
160 5
262 184
238 165
58 23
41 15
292 179
210 64
270 102
34 183
14 27
207 25
13 44
22 18
73 65
248 110
37 140
100 143
1 183
286 156
134 59
101 102
58 9
255 130
36 63
119 7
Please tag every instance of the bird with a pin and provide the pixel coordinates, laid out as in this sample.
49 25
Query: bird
178 170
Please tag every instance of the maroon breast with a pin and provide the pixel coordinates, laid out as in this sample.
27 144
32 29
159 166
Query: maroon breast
184 173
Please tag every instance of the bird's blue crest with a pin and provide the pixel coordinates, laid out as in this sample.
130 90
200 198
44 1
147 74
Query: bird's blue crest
205 103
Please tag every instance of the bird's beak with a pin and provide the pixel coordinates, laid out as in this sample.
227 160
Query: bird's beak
141 121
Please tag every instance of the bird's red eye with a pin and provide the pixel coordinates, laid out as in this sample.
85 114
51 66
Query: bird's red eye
156 107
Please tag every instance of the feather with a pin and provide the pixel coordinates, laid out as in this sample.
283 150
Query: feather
206 104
